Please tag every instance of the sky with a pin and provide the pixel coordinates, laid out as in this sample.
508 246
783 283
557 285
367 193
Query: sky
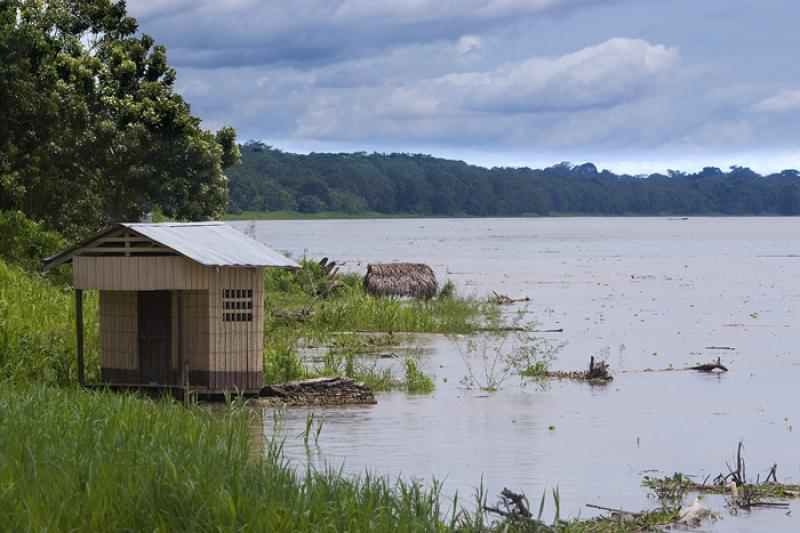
634 86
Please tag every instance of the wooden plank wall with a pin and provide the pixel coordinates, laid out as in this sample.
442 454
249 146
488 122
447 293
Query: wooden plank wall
159 273
118 335
236 348
221 354
196 317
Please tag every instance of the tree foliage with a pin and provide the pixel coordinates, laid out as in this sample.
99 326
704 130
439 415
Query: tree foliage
91 128
271 180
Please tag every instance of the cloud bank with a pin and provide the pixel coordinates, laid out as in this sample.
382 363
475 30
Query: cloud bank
562 79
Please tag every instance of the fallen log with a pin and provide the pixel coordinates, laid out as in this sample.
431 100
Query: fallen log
502 299
613 510
318 391
598 372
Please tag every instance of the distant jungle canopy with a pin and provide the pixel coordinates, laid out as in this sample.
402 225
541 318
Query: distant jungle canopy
268 179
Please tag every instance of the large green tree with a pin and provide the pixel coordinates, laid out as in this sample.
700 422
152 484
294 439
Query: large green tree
91 128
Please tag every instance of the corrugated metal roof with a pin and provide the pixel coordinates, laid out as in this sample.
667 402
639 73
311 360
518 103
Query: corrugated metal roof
212 244
208 243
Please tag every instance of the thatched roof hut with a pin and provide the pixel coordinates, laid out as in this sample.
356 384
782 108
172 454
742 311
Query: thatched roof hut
416 280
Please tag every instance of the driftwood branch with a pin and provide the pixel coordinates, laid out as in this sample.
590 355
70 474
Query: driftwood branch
610 509
515 511
502 299
705 367
709 367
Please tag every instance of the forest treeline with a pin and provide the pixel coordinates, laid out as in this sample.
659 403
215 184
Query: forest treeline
268 179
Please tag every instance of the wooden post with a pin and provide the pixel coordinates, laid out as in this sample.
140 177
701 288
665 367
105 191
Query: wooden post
79 334
182 362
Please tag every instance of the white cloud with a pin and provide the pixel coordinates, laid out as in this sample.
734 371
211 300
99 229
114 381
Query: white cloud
469 46
783 101
597 76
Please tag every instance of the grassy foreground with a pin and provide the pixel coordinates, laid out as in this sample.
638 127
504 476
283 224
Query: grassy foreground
96 461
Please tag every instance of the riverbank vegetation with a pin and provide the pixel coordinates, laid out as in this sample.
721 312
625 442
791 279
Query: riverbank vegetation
311 309
284 184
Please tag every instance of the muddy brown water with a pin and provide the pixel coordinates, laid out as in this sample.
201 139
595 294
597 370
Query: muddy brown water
639 292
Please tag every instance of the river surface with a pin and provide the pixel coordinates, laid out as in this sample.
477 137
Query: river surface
642 293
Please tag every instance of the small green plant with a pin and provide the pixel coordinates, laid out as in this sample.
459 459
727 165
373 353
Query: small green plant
313 426
670 491
447 291
416 380
282 364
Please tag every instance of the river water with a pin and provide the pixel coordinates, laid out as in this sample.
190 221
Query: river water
642 293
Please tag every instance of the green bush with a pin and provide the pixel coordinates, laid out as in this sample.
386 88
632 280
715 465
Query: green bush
25 242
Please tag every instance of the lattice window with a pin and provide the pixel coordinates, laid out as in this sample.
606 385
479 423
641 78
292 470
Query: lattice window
237 305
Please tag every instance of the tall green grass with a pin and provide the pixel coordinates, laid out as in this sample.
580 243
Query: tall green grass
350 308
37 329
95 461
354 310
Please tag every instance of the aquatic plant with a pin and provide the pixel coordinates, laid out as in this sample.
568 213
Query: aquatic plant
416 379
493 359
311 418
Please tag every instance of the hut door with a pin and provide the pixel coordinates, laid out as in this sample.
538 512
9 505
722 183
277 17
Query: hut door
155 335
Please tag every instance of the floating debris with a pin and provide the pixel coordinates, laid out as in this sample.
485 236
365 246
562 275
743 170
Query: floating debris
502 299
597 372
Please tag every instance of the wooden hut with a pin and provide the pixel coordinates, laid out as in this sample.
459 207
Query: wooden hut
181 304
415 280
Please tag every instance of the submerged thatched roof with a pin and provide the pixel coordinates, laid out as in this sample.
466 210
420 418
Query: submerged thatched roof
400 279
